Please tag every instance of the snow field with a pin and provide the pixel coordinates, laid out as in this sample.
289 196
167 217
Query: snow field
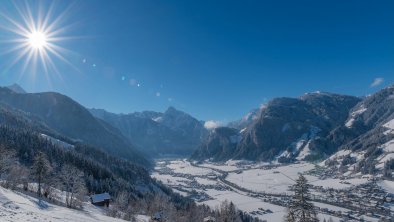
276 180
19 207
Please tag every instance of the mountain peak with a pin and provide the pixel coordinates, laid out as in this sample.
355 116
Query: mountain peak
171 109
16 88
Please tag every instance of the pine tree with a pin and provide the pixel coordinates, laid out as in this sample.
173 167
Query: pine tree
229 212
41 169
300 209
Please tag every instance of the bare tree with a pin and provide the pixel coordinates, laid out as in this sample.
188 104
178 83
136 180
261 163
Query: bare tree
17 175
71 180
122 200
41 169
7 158
119 208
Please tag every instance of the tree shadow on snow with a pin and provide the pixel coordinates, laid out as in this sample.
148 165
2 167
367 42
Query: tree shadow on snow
43 205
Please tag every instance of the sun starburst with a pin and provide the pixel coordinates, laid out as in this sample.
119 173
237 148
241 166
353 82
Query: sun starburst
35 37
37 40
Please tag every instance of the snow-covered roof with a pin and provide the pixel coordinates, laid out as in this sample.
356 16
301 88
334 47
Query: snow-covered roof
100 197
209 218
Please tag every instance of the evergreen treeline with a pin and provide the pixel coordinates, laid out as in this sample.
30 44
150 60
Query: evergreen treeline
104 173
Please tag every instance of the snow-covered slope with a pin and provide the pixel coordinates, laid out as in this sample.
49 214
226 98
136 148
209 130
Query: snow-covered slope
354 115
390 127
16 206
158 134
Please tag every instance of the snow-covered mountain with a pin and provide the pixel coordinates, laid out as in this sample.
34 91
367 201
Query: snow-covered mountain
246 120
355 134
16 88
287 129
67 117
170 133
366 141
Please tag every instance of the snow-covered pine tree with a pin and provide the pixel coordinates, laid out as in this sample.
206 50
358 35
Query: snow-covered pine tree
300 209
228 212
41 168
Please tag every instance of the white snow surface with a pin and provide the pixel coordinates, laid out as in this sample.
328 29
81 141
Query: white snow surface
389 146
224 167
249 204
157 119
353 115
142 218
275 180
57 142
386 157
304 152
183 166
204 181
349 123
245 203
19 207
390 127
389 124
387 185
330 207
170 180
388 154
337 155
338 183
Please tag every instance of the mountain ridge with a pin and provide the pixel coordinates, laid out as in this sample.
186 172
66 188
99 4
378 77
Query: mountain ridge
284 126
172 132
68 117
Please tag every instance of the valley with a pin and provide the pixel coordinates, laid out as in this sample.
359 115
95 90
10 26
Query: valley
262 189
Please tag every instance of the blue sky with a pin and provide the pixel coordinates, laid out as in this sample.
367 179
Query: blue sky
213 59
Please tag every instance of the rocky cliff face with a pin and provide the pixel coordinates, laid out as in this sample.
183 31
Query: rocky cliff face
220 144
288 129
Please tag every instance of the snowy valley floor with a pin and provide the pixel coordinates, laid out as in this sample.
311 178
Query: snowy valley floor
262 190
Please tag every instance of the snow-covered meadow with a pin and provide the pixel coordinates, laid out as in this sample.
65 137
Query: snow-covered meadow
274 180
16 206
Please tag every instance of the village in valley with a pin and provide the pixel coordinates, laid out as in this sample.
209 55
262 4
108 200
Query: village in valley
264 190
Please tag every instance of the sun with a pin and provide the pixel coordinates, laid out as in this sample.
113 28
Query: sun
37 40
34 36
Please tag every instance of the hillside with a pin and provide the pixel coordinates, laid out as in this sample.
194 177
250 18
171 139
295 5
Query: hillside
367 138
69 118
16 206
284 129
